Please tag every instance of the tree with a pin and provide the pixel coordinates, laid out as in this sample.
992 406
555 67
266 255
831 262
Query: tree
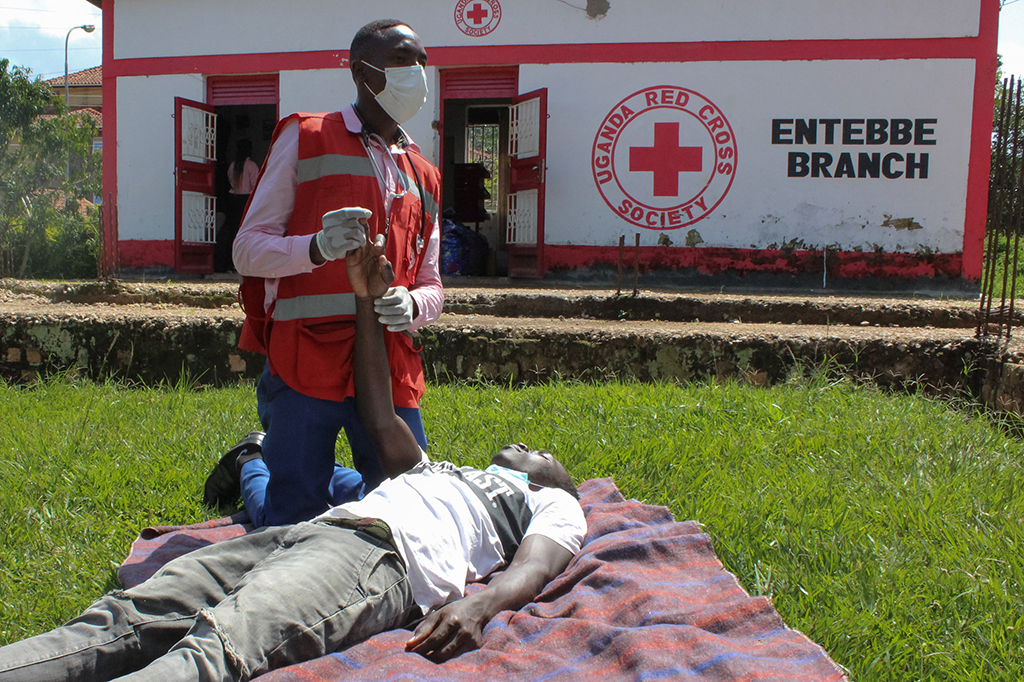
48 174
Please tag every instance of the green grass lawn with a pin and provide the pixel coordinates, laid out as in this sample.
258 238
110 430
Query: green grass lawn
887 528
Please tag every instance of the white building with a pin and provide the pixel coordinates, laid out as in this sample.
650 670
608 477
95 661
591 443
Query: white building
792 138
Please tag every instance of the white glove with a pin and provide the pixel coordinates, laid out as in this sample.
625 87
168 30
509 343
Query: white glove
395 308
343 230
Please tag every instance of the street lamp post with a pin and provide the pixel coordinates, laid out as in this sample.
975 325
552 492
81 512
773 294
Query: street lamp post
88 28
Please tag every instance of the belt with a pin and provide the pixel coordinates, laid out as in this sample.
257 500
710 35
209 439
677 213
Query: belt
377 528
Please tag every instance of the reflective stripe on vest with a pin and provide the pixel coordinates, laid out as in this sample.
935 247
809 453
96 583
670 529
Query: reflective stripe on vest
317 167
322 166
320 305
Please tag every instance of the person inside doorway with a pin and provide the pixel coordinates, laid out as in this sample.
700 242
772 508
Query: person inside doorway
242 175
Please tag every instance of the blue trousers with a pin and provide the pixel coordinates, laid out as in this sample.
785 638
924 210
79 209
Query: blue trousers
298 477
229 611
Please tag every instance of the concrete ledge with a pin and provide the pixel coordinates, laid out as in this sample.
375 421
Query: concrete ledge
161 332
202 346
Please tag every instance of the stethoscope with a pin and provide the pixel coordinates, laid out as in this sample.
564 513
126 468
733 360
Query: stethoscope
402 178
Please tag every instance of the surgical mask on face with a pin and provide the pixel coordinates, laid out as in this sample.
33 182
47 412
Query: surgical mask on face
511 473
404 92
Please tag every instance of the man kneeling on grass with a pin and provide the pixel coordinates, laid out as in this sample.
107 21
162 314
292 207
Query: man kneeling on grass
286 594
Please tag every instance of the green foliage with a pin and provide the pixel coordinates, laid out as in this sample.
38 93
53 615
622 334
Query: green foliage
887 528
46 168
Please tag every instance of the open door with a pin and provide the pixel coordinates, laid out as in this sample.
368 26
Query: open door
195 192
528 150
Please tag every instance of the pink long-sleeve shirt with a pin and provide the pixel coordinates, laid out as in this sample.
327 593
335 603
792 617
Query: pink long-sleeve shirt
262 249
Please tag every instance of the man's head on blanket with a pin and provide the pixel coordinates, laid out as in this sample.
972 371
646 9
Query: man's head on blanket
539 465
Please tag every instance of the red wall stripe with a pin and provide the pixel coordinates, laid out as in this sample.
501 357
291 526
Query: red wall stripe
976 216
715 260
709 261
783 50
111 237
147 253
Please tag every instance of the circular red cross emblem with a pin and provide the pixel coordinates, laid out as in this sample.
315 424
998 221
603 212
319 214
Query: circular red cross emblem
477 17
664 158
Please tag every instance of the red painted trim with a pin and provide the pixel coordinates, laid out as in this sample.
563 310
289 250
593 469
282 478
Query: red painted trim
602 53
976 215
177 182
712 260
270 62
110 236
143 253
729 51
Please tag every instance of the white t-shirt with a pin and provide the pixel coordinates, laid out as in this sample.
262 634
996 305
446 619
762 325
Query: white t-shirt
445 534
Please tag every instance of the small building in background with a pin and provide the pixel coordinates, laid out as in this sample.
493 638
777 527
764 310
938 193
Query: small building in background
85 96
748 143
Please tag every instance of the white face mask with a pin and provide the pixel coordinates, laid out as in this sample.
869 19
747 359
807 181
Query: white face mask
404 92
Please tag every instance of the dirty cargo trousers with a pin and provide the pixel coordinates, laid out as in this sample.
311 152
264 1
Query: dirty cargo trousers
232 610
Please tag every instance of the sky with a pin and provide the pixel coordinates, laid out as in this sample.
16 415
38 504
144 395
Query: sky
32 34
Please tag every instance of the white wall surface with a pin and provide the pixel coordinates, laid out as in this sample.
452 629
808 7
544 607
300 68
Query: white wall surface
315 90
157 28
764 206
145 152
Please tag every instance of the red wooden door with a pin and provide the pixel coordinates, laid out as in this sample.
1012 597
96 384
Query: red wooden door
528 150
195 201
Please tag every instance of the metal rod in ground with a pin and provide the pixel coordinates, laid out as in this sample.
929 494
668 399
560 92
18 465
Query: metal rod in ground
1013 283
636 267
622 249
1017 182
1015 225
996 209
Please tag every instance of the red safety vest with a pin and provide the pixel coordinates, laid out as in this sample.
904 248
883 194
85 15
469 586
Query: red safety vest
309 332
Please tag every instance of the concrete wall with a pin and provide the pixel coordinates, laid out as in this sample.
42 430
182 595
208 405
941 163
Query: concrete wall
145 152
756 203
203 348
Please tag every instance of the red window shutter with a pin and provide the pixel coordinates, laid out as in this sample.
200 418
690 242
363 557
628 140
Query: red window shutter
480 83
253 89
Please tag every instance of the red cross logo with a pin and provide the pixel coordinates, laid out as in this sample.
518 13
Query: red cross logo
477 18
678 180
477 14
666 159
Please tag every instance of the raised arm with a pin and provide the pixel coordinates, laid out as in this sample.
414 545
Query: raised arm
458 627
370 275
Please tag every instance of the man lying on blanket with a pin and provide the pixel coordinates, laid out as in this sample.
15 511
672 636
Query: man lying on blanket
286 594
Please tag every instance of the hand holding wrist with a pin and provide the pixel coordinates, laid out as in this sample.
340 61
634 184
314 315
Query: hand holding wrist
344 231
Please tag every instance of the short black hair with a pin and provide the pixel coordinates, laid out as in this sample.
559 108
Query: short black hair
565 483
559 478
368 37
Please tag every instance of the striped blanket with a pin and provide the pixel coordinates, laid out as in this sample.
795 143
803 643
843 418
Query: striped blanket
645 599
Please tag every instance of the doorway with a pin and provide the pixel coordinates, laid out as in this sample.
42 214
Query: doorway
239 127
475 172
247 112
